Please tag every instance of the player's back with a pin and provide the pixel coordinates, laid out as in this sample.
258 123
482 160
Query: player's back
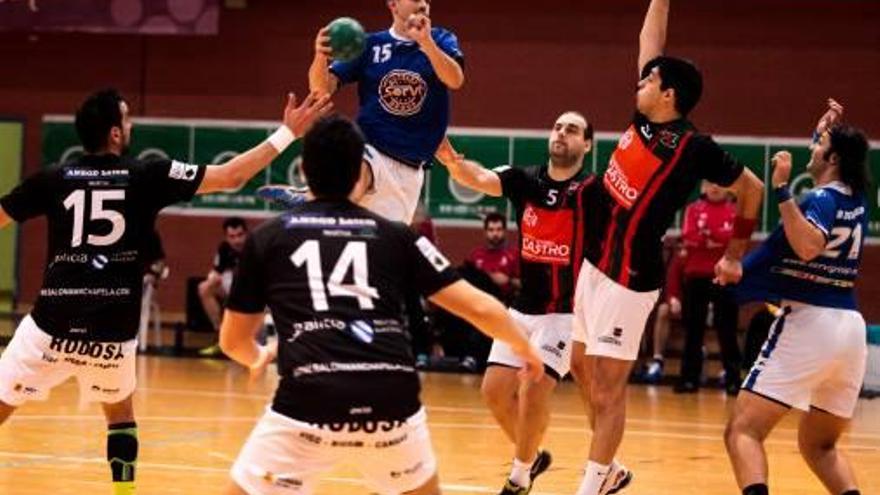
101 212
335 277
774 271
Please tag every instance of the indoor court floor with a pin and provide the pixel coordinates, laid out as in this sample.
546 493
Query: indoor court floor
193 416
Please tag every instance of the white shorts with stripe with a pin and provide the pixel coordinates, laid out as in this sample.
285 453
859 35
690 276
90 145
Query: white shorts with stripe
813 357
609 319
396 187
35 362
550 334
284 456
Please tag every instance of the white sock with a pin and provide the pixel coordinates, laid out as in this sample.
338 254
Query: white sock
521 473
594 476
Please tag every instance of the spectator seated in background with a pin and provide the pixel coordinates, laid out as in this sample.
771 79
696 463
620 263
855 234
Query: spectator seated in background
215 288
708 228
496 258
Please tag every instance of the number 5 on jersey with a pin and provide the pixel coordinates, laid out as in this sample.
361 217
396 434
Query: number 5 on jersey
354 257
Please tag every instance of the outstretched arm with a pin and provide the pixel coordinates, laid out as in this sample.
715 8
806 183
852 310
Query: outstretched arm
235 173
652 39
490 317
468 173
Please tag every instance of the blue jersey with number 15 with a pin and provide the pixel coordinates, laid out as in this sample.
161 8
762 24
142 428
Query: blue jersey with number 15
404 107
774 272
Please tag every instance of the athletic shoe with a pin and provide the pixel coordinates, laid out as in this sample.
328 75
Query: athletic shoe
654 371
282 195
618 478
211 351
511 488
542 462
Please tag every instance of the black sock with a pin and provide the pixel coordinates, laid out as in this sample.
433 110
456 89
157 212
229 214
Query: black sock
756 489
122 450
851 492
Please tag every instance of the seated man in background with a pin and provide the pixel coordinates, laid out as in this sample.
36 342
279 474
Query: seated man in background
215 288
496 258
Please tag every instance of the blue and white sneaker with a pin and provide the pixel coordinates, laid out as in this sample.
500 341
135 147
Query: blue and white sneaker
282 195
654 371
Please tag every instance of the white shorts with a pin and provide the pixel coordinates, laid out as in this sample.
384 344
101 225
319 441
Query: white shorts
283 456
609 319
551 336
396 187
813 357
36 362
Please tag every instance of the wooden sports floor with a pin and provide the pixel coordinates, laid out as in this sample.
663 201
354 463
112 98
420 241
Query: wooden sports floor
194 415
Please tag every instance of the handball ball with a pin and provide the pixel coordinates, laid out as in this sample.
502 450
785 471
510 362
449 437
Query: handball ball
347 39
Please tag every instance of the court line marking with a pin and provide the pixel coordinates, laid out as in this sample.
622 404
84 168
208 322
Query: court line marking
452 487
474 410
850 445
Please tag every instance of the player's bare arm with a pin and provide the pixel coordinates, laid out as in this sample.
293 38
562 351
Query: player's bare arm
467 172
749 191
652 38
238 339
5 219
805 238
321 80
491 317
418 28
235 173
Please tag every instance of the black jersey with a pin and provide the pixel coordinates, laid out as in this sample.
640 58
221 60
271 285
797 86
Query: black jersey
101 212
335 277
226 258
649 178
547 215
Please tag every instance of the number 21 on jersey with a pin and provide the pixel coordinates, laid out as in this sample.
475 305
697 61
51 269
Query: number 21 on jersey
353 258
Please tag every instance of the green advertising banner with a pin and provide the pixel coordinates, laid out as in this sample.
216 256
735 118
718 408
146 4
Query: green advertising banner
208 141
11 148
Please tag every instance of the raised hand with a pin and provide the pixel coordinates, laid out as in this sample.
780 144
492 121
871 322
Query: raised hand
781 163
418 28
830 117
300 118
322 43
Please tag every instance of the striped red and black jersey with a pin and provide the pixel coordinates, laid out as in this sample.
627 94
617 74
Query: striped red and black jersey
649 178
547 214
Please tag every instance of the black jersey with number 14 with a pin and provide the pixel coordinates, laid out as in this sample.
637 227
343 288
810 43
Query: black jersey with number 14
335 277
101 211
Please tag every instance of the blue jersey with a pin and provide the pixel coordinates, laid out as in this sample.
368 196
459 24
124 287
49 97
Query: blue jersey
404 107
774 272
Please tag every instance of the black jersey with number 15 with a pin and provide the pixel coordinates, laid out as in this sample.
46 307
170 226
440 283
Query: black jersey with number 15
335 277
101 211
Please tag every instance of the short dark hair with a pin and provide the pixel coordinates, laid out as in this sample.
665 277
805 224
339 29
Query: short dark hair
234 223
96 116
331 159
682 76
494 217
588 130
851 145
